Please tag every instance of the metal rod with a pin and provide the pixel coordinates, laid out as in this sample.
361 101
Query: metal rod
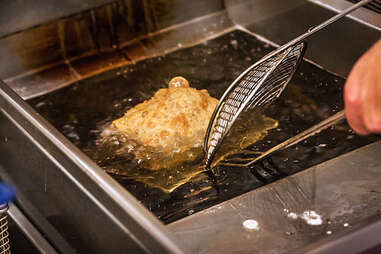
330 121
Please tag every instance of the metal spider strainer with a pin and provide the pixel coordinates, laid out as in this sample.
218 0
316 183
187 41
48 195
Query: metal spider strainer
258 86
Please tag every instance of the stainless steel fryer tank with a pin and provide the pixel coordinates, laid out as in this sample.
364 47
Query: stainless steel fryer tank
79 207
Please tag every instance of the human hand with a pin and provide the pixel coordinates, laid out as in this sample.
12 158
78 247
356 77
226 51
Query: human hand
362 93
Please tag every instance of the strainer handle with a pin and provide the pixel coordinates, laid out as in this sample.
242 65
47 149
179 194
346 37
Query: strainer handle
330 121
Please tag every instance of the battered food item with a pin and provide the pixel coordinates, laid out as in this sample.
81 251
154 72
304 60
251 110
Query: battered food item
172 122
167 132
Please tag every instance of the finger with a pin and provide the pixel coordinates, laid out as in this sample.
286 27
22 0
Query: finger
370 65
372 104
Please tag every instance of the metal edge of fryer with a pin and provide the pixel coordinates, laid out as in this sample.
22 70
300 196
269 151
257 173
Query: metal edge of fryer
349 181
363 16
75 185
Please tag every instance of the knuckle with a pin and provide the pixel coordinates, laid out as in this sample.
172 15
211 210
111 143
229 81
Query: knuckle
373 124
352 101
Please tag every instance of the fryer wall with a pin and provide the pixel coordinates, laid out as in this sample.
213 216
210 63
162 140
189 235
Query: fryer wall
69 198
58 53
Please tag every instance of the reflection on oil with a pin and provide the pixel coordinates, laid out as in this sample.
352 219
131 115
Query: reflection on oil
119 155
249 128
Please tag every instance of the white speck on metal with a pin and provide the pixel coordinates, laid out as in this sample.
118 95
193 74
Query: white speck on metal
251 224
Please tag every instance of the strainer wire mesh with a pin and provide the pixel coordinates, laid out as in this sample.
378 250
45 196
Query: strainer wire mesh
4 234
258 86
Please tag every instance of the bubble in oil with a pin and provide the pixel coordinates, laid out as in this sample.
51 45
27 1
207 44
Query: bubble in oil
234 43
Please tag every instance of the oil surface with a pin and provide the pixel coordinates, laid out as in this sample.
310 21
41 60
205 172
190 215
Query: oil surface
121 156
82 110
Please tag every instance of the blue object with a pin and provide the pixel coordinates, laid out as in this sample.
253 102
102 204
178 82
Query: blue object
7 193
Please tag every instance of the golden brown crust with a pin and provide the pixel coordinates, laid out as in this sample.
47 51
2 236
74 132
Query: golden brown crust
173 120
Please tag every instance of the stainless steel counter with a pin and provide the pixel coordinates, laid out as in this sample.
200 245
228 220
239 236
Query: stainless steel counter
345 192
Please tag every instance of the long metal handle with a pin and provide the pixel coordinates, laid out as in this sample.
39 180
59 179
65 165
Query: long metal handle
330 121
313 30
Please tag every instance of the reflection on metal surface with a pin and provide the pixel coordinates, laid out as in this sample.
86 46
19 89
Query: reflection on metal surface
79 48
368 17
245 12
251 224
344 191
292 215
310 217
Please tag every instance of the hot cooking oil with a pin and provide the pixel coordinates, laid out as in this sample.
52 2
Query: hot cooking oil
81 111
119 155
